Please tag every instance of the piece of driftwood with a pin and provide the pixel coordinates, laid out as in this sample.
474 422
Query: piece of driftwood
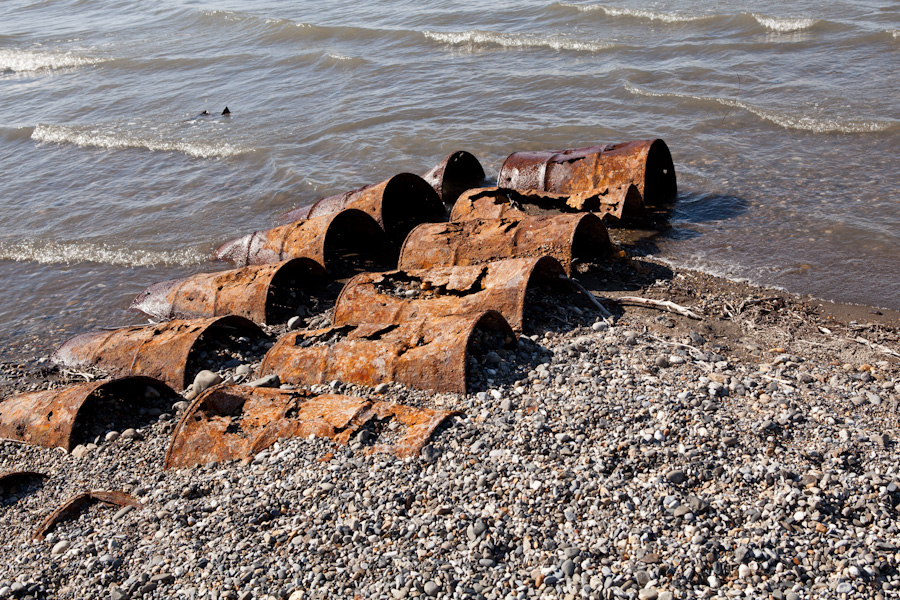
661 304
606 314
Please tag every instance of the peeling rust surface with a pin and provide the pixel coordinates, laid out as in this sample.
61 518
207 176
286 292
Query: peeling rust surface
73 507
459 172
48 418
424 354
398 204
614 205
259 293
401 296
237 422
331 241
567 238
160 351
647 164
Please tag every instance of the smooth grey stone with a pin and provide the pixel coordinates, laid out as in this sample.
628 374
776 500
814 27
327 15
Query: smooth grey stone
677 476
205 379
269 381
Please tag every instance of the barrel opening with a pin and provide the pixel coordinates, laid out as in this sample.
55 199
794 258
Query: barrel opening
660 186
224 345
409 201
590 244
19 484
551 301
354 243
489 349
295 289
127 403
463 172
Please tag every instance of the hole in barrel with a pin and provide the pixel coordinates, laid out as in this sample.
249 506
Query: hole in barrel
408 201
462 173
355 244
590 244
660 186
295 289
15 486
490 351
129 403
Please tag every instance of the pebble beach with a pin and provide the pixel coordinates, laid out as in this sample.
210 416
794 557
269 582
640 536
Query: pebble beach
751 453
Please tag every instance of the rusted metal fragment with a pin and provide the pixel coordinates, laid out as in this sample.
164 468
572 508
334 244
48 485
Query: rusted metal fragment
237 422
622 204
567 238
425 354
454 175
346 241
263 293
73 507
12 483
398 204
163 351
48 418
645 163
402 296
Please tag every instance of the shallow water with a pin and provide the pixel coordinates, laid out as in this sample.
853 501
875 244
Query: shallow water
782 119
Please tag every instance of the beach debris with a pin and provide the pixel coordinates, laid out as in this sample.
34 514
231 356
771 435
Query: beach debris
345 242
647 164
401 296
661 304
231 422
168 351
570 239
424 354
14 484
52 418
397 204
75 505
459 172
265 294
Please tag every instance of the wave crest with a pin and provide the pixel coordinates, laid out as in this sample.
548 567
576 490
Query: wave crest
512 40
92 138
783 24
24 61
78 252
639 13
803 122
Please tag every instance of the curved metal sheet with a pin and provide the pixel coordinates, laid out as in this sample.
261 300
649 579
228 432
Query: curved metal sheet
48 418
567 238
332 241
647 164
160 351
459 172
398 204
72 507
443 291
614 205
237 422
425 354
255 292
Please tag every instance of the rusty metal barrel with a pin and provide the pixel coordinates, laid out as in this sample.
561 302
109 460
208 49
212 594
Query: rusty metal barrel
402 296
424 354
622 204
647 164
344 243
397 204
569 239
459 172
262 293
48 418
167 351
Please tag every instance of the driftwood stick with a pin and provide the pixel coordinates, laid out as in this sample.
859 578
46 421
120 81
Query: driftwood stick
874 346
590 296
661 304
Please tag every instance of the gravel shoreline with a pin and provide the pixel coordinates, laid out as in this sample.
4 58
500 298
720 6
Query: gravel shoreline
750 454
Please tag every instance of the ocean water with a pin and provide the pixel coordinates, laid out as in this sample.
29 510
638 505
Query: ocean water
783 120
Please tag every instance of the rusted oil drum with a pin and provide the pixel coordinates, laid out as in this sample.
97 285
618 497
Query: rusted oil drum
620 205
426 354
647 164
402 296
398 204
164 351
48 418
262 293
569 239
459 172
345 242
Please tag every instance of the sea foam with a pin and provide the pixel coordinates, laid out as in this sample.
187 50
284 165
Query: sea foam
513 40
638 13
95 138
24 61
783 24
79 252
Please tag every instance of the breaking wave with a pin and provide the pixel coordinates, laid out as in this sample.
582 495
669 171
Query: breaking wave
803 123
94 138
513 40
783 24
79 252
639 13
24 61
